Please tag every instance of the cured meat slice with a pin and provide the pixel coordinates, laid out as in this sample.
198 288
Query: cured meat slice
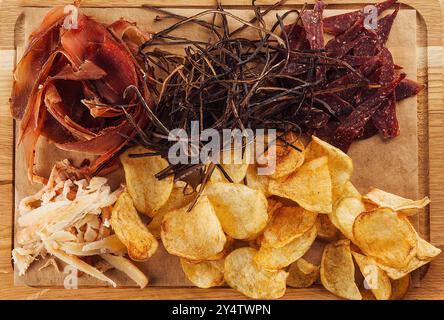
407 88
70 84
312 20
340 23
353 126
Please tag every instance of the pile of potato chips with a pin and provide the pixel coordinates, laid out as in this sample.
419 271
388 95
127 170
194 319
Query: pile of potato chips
254 234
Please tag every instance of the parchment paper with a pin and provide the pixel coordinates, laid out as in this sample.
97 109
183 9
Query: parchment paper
390 165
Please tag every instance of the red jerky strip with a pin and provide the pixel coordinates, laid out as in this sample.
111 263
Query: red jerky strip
407 88
351 78
356 61
340 23
297 37
385 26
353 126
367 45
372 43
312 21
385 119
339 107
382 75
339 46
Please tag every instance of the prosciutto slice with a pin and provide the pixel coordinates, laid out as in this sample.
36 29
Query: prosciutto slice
70 84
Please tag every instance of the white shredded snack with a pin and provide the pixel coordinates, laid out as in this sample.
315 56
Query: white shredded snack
64 220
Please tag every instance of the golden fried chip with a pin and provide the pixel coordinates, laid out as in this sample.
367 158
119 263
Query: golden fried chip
241 210
195 235
386 236
326 229
338 270
256 181
149 193
350 191
394 202
287 153
396 274
205 274
339 163
426 251
236 168
400 287
302 274
131 231
345 213
375 278
278 258
287 224
229 245
242 274
309 186
177 200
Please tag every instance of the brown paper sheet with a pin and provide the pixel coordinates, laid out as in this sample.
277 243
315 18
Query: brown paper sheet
390 165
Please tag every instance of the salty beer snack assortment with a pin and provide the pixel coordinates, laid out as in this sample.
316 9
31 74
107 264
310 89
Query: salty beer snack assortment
232 226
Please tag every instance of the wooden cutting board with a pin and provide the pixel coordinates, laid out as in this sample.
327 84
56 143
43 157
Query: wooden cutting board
376 163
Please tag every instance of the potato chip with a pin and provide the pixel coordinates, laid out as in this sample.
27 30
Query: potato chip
309 186
195 235
338 270
286 157
396 274
278 258
375 278
205 274
273 206
345 213
302 274
426 251
229 245
326 229
400 287
178 199
385 235
241 210
236 168
287 224
394 202
256 181
242 274
367 294
340 164
149 193
350 191
131 231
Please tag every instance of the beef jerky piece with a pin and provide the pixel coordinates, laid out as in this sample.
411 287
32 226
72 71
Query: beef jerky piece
385 120
356 61
385 26
369 131
339 46
315 119
407 88
353 126
367 45
340 23
297 41
382 75
338 107
297 37
312 21
351 78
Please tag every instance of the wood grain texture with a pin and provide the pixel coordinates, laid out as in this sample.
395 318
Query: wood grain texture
432 286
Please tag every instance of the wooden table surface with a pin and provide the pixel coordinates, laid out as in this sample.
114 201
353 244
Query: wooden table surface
432 285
